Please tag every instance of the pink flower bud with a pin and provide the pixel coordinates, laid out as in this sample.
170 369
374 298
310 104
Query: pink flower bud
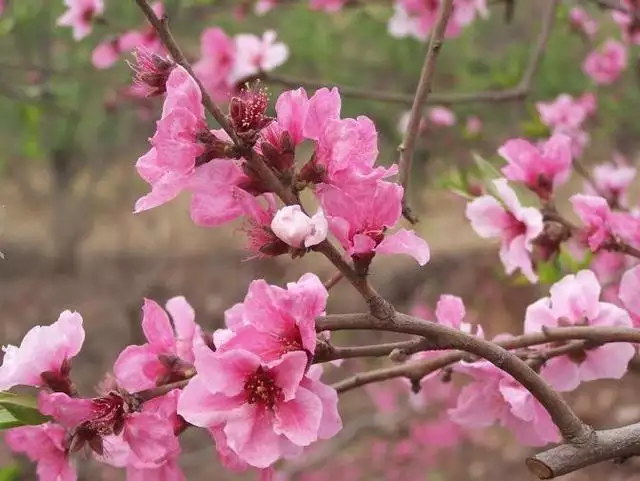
294 227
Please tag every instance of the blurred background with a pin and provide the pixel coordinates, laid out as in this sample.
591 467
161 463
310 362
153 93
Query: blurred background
68 185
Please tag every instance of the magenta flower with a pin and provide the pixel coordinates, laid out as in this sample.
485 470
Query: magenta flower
541 170
168 352
574 300
44 445
359 217
605 64
263 407
44 355
514 225
273 321
493 396
297 229
214 67
324 105
255 55
151 72
583 22
80 16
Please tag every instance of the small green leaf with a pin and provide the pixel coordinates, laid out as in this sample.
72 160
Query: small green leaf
10 473
549 272
22 408
8 421
535 129
486 169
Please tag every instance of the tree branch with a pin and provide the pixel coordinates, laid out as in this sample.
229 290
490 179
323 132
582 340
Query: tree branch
610 444
442 337
423 90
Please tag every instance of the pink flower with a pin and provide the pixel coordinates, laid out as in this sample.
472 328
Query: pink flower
450 311
473 126
43 444
595 214
297 229
264 408
327 5
273 321
323 106
402 24
630 30
359 218
493 396
215 66
106 54
441 116
541 170
345 155
583 22
292 108
148 434
628 293
167 353
565 112
263 6
151 72
44 354
514 225
574 300
613 181
255 55
606 64
80 16
147 38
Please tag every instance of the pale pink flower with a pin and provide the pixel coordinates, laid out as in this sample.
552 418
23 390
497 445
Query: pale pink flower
255 55
358 219
575 300
402 24
612 180
516 226
566 112
292 108
327 5
605 64
106 54
630 30
44 445
583 22
541 170
297 229
44 350
596 215
146 38
80 15
441 116
473 126
263 407
148 434
216 63
273 321
629 293
263 6
169 349
493 396
450 311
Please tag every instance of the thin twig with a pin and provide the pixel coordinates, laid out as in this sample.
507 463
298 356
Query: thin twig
423 90
333 280
442 337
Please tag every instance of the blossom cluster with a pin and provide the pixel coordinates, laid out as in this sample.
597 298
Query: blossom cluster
250 385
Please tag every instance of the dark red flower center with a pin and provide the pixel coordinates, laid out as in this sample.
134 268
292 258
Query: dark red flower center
261 388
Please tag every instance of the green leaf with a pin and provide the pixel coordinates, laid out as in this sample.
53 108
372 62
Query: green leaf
8 420
535 129
486 169
10 473
549 272
22 408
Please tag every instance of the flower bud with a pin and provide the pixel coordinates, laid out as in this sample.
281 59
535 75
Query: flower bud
295 228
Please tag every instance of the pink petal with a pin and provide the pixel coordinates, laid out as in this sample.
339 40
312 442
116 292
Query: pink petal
157 327
450 311
226 372
562 373
288 372
539 315
324 105
291 108
183 317
630 290
330 423
138 368
405 242
607 362
487 216
576 296
68 411
299 418
201 408
250 434
149 437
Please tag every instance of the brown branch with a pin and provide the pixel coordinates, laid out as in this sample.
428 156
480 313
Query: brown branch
154 392
423 90
161 26
333 280
418 369
610 444
442 337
